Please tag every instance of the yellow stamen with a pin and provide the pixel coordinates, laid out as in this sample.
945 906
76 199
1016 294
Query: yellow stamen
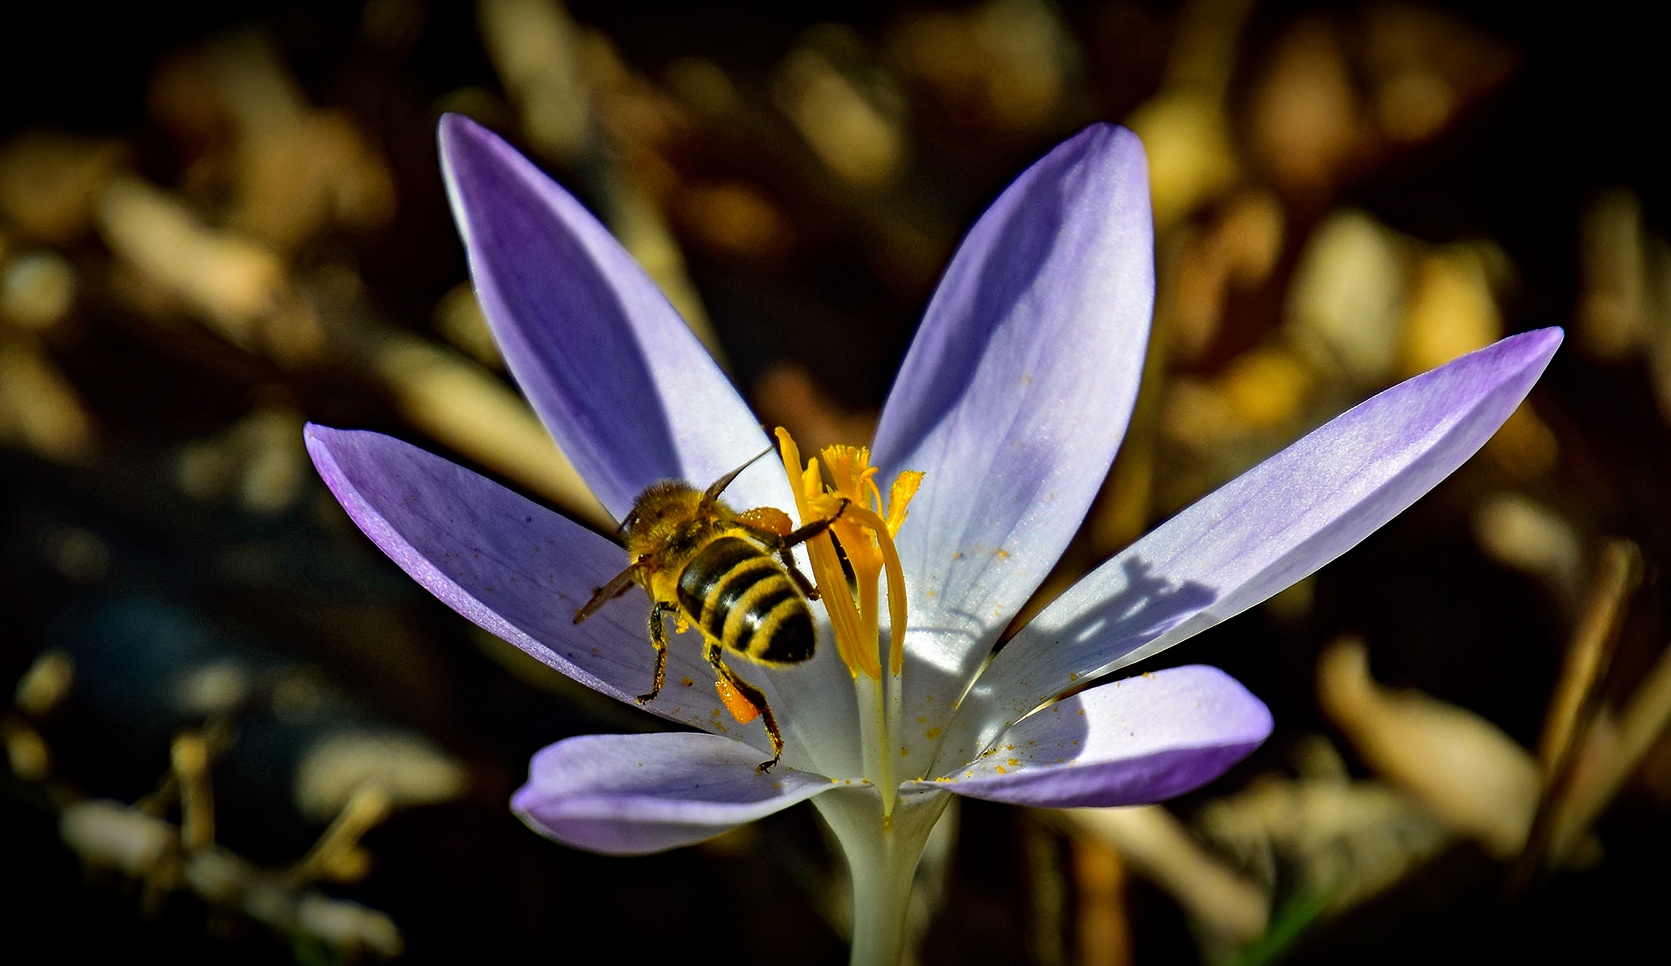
899 496
826 566
888 558
865 531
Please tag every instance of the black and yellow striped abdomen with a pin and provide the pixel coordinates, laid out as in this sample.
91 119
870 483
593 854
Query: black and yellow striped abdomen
744 599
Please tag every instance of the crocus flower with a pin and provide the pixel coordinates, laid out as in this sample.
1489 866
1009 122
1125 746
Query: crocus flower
1010 404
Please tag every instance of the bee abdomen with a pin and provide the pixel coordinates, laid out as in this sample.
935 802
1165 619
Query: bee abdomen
742 598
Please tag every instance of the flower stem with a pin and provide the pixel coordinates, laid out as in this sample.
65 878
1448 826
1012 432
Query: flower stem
882 854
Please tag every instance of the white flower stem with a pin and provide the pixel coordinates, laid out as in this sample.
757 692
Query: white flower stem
882 854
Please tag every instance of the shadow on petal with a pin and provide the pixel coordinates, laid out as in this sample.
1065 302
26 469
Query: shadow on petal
1128 742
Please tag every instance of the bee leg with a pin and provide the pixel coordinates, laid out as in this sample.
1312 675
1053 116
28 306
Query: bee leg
754 697
658 637
813 529
805 586
794 538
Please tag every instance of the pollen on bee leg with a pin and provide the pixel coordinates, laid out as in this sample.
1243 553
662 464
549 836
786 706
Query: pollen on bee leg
741 708
768 518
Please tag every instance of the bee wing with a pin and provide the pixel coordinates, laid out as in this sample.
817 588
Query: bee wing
620 584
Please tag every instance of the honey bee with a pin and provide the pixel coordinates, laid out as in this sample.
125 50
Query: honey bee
714 567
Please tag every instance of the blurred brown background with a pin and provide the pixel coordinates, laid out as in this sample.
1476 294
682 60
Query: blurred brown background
235 732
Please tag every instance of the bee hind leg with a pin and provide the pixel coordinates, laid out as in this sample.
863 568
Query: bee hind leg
754 697
658 637
805 586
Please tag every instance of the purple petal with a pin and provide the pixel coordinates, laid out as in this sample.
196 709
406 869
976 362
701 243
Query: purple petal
1128 742
1258 534
513 567
636 794
618 379
1017 390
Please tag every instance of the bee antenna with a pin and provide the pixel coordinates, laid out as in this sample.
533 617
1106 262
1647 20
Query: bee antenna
720 484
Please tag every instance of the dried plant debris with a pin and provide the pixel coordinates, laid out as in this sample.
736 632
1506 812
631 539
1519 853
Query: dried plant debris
249 232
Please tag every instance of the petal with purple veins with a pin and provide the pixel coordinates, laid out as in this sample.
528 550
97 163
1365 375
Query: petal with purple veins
1128 742
1258 534
1016 392
636 794
513 567
618 379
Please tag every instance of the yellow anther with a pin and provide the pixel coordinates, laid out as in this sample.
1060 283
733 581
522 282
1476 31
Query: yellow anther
826 566
865 530
899 497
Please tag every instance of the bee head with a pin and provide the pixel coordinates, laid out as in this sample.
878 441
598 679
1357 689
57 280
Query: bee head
658 512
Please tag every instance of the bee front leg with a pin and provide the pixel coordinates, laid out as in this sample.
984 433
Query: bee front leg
754 697
658 637
813 529
785 541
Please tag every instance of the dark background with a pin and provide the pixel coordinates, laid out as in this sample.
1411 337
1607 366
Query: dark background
811 282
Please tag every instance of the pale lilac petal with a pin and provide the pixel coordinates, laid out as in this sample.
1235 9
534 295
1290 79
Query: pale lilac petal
1016 393
514 568
1128 742
618 379
814 704
624 387
1258 534
636 794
